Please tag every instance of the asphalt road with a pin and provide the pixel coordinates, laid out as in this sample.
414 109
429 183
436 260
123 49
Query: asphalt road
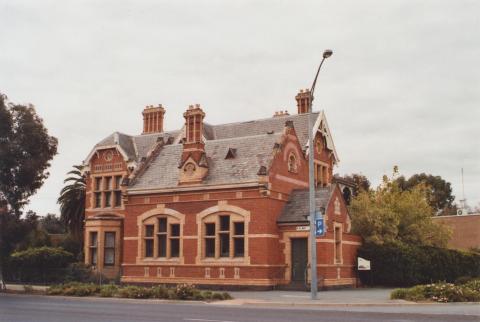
26 308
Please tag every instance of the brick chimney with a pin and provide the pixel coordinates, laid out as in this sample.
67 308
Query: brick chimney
153 119
303 101
193 165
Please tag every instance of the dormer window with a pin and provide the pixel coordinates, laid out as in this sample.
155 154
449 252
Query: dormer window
292 163
231 153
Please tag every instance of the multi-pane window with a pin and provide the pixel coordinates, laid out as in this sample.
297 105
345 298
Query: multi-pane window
93 246
338 245
109 249
107 189
162 238
224 238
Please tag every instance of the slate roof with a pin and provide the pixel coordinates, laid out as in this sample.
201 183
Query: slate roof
262 126
253 140
252 152
135 146
297 206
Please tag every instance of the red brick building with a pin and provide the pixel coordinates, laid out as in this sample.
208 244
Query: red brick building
216 204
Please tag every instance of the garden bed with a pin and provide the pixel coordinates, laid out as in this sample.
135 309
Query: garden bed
180 292
440 292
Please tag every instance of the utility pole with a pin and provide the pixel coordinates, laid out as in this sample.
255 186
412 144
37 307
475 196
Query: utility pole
311 180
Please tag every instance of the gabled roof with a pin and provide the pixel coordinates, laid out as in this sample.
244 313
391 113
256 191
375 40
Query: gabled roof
297 207
251 153
133 148
253 140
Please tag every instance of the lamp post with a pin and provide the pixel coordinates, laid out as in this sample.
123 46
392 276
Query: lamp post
311 180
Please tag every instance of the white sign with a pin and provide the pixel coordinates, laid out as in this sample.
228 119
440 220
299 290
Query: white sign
303 228
363 264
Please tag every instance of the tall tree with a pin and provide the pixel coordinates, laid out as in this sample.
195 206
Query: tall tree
26 150
361 182
439 191
72 202
390 214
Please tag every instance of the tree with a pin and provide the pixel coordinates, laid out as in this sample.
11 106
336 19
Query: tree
390 214
361 182
52 224
26 150
72 202
439 191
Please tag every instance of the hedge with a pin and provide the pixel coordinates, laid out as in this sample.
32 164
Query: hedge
407 265
42 264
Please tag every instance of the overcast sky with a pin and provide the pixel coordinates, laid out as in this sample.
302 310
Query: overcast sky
402 87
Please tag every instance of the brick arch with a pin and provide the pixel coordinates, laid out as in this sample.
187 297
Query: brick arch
161 210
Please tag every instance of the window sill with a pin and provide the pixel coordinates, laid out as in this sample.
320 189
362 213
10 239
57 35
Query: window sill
223 260
161 260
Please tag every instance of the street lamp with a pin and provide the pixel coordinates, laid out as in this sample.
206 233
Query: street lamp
311 180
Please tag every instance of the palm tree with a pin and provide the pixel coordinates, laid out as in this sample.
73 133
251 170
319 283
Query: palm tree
72 202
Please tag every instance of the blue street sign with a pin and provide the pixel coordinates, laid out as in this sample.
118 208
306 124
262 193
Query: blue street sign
319 227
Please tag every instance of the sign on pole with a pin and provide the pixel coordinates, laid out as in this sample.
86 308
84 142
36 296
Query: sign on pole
319 227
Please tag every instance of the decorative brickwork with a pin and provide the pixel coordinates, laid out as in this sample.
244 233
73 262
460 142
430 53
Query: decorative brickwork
215 204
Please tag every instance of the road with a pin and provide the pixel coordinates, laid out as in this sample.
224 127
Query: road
26 308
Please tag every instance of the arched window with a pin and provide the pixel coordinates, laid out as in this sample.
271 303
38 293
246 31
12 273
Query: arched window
161 237
292 163
223 236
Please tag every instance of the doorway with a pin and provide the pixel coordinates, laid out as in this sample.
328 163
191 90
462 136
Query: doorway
299 260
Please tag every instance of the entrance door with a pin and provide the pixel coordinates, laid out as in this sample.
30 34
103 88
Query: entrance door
299 259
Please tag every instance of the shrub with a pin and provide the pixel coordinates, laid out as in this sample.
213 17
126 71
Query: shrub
159 292
438 292
80 289
109 290
40 265
198 295
135 292
184 291
78 272
180 292
217 296
226 296
208 295
407 265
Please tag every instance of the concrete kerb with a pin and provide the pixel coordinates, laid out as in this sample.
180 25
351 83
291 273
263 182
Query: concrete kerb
41 291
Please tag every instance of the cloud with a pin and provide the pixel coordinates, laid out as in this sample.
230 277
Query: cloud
401 87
